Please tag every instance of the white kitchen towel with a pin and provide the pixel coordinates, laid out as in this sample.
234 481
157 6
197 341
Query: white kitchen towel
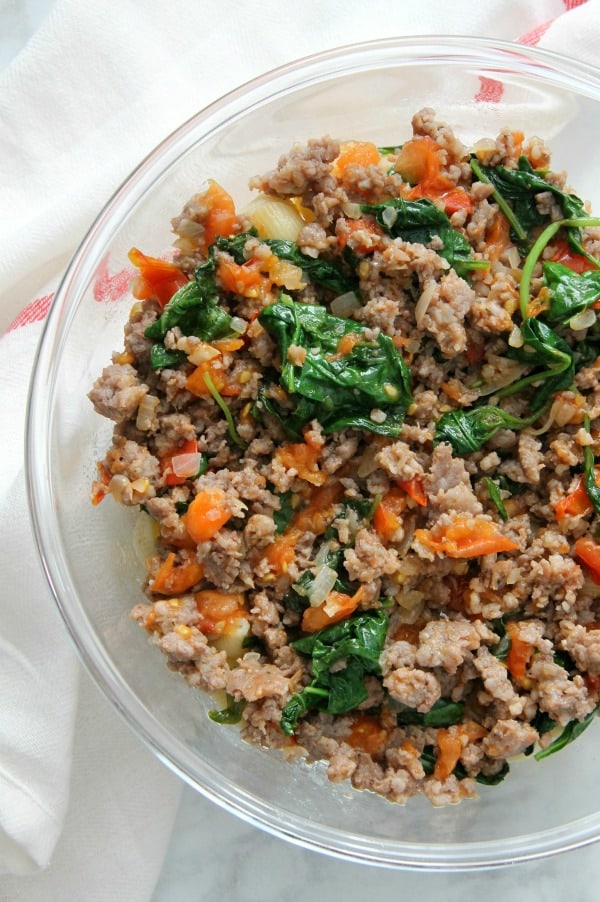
85 810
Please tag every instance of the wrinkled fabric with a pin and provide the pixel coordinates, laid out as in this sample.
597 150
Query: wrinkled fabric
85 809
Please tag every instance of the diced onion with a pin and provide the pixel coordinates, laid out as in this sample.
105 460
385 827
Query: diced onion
146 411
274 217
424 301
511 372
515 339
583 320
324 582
117 487
563 411
238 324
513 258
352 211
186 465
389 216
202 353
345 304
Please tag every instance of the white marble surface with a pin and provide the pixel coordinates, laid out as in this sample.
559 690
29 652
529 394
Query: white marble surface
215 856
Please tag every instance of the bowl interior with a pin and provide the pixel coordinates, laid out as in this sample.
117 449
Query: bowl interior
94 567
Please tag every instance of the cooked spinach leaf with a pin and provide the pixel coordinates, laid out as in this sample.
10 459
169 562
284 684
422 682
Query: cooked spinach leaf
589 473
359 642
469 430
570 292
161 357
494 493
338 390
283 515
443 713
195 309
542 348
571 732
231 714
325 273
420 221
515 192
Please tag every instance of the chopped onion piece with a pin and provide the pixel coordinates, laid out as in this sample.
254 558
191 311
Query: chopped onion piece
424 301
352 211
238 324
512 372
202 353
324 582
345 304
146 411
564 410
512 256
274 217
389 216
515 339
583 320
117 487
186 465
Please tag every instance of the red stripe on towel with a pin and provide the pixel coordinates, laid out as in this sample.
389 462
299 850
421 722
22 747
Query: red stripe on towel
32 313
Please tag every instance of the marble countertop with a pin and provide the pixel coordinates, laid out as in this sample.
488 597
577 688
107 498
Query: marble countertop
215 856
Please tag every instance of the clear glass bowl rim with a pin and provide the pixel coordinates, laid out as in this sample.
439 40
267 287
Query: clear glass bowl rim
487 54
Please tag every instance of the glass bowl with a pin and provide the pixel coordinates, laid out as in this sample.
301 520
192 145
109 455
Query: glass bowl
368 92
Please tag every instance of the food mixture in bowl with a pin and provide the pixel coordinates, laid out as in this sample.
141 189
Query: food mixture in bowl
363 416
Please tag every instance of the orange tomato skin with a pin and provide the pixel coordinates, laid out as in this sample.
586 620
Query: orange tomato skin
318 617
304 459
220 219
207 513
465 537
158 278
577 262
172 580
588 553
519 654
367 734
387 519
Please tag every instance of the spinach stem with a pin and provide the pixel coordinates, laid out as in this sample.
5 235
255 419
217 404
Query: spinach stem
226 411
536 251
502 203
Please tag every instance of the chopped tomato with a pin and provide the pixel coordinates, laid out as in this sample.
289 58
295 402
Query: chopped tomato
519 654
337 606
207 513
588 553
577 503
359 225
190 446
414 489
367 734
387 519
465 537
171 579
245 279
355 153
568 257
196 384
158 278
315 518
497 237
220 218
219 612
304 459
457 200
